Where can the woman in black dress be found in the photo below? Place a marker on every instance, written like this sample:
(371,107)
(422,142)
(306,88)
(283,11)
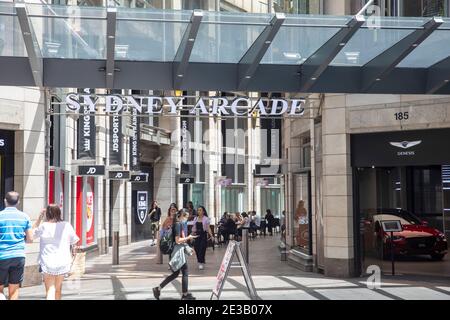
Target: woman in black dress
(202,230)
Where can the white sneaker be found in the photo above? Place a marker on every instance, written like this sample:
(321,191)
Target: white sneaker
(201,266)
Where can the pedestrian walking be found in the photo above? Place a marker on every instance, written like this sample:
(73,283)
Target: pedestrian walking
(270,221)
(56,249)
(178,262)
(203,231)
(155,217)
(15,230)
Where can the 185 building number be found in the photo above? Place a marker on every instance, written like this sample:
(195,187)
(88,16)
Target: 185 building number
(399,116)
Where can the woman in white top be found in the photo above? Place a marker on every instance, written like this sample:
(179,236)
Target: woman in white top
(55,255)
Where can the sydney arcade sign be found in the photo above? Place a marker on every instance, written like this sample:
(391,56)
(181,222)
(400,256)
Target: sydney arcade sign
(211,106)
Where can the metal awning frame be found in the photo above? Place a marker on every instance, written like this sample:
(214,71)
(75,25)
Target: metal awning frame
(379,76)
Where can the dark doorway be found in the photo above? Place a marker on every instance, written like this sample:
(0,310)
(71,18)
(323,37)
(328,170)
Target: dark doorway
(142,231)
(6,164)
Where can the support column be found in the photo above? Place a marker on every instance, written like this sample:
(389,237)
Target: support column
(337,190)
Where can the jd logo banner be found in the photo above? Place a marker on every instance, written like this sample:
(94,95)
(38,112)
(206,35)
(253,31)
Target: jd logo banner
(142,206)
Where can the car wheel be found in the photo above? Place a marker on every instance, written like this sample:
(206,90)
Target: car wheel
(437,256)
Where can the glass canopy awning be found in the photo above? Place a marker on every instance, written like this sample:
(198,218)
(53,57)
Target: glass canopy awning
(122,48)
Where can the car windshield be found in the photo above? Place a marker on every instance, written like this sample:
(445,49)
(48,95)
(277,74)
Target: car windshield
(405,217)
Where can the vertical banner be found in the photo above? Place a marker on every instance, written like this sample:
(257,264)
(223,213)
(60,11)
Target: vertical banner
(135,141)
(86,134)
(142,206)
(115,139)
(90,210)
(85,207)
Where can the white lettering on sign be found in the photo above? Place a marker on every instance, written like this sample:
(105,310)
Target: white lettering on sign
(86,130)
(115,135)
(184,144)
(215,106)
(92,170)
(2,142)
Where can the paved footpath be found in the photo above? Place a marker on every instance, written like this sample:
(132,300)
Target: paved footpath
(273,278)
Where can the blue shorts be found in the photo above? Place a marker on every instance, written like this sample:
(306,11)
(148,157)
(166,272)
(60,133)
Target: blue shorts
(11,271)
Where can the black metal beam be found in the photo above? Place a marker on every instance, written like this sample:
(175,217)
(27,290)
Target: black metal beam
(111,15)
(251,59)
(31,44)
(379,67)
(315,65)
(181,60)
(438,76)
(203,77)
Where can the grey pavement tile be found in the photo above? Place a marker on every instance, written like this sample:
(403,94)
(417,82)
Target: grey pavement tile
(265,282)
(321,282)
(233,295)
(352,294)
(417,293)
(285,295)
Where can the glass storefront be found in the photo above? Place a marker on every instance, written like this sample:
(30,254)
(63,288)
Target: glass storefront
(198,192)
(271,199)
(233,199)
(415,197)
(301,217)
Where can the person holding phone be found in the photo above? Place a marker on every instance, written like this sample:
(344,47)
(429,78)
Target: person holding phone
(55,254)
(181,239)
(202,230)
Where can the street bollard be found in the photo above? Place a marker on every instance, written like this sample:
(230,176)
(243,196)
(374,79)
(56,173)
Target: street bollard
(159,256)
(245,244)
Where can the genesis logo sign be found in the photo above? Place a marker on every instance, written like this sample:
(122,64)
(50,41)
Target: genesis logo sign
(406,145)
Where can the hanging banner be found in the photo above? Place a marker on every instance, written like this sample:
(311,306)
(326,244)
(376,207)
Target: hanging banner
(115,140)
(135,141)
(185,147)
(86,134)
(142,206)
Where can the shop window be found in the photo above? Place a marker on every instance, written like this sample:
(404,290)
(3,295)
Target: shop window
(271,199)
(232,199)
(198,192)
(301,215)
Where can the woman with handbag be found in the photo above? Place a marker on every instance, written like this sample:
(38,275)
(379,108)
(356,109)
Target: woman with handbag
(202,230)
(55,255)
(178,261)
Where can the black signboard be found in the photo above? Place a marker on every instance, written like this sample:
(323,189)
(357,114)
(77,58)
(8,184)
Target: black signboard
(135,141)
(186,180)
(93,170)
(86,134)
(143,177)
(115,140)
(6,142)
(142,206)
(119,175)
(401,148)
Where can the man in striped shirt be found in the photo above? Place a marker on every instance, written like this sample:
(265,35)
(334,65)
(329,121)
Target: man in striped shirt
(15,230)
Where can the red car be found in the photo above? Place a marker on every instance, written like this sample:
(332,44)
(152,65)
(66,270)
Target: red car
(417,238)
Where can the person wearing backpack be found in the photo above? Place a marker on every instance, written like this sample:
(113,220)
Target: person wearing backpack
(165,237)
(180,240)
